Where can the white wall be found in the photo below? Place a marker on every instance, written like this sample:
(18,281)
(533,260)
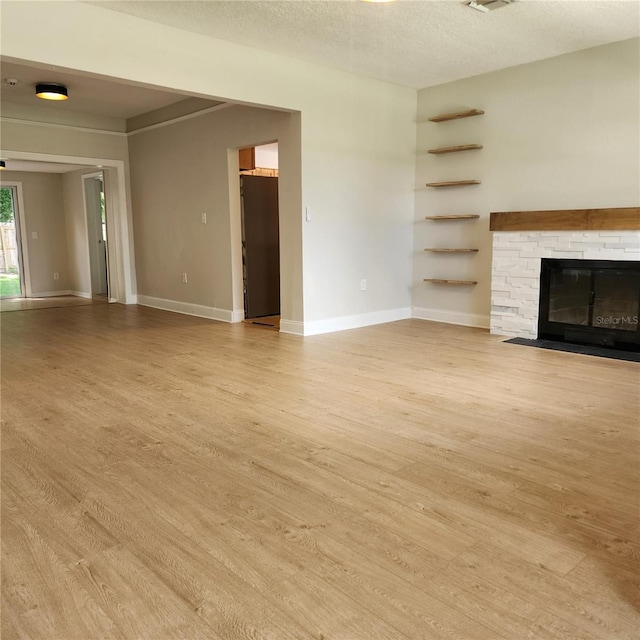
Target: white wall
(562,133)
(357,141)
(43,214)
(267,156)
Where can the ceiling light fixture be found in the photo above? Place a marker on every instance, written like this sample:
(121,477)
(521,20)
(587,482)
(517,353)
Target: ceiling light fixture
(50,91)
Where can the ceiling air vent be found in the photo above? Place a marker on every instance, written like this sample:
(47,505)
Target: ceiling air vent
(488,5)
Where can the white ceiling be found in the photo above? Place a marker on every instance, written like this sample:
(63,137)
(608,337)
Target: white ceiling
(87,94)
(416,43)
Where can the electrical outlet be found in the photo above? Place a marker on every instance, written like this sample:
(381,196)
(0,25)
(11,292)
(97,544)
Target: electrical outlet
(184,278)
(56,275)
(204,218)
(34,235)
(363,285)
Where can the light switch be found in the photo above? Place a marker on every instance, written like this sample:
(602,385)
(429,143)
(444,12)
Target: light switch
(34,235)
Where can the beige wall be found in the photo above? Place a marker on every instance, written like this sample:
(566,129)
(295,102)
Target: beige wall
(562,133)
(43,214)
(76,223)
(179,172)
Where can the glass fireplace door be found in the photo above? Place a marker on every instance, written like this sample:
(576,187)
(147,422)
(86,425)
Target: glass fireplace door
(613,306)
(590,302)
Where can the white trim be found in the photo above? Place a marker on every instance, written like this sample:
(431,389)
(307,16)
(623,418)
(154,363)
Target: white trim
(451,317)
(356,321)
(235,228)
(81,294)
(237,315)
(188,116)
(50,294)
(186,308)
(54,125)
(294,327)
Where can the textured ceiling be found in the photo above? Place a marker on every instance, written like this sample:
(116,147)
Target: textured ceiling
(415,43)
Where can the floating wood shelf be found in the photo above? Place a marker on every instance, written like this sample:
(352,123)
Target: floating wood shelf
(463,147)
(453,183)
(455,116)
(452,250)
(441,281)
(463,216)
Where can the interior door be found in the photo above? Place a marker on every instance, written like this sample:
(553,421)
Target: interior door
(261,247)
(96,231)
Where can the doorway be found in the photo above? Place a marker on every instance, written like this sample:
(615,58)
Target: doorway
(260,229)
(11,270)
(95,208)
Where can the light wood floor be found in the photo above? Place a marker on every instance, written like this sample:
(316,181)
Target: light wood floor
(25,304)
(171,477)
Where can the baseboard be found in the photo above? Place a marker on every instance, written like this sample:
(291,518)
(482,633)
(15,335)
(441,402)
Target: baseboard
(342,323)
(50,294)
(187,308)
(451,317)
(80,294)
(294,327)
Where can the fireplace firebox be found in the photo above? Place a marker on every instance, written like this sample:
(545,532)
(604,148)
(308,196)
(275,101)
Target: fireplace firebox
(590,302)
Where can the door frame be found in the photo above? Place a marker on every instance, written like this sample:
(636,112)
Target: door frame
(21,237)
(118,211)
(90,241)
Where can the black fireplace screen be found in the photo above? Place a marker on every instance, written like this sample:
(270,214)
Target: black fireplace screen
(590,302)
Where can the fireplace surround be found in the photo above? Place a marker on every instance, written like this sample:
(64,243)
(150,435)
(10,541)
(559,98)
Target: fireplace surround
(522,239)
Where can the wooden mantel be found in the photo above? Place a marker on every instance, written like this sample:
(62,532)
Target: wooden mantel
(620,219)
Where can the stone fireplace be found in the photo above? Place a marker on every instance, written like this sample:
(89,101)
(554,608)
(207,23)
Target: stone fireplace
(522,239)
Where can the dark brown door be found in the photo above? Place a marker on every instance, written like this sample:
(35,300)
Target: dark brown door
(260,244)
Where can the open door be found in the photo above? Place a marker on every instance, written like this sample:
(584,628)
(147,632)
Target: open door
(260,246)
(97,233)
(11,271)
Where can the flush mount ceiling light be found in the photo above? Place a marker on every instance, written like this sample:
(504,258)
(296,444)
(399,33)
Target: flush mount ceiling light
(50,91)
(488,5)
